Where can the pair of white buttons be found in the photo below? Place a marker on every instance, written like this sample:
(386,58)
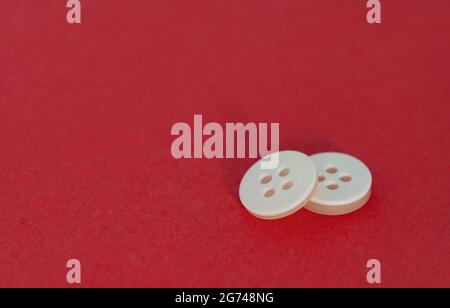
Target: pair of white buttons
(325,183)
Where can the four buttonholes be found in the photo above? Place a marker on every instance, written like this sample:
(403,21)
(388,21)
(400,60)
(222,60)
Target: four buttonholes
(331,185)
(286,185)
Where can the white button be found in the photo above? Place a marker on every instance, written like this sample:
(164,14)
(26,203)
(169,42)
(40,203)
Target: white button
(276,193)
(344,184)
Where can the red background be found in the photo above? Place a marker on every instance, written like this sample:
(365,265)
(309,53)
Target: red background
(85,165)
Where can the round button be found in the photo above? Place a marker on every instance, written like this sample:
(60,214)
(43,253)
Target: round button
(279,192)
(344,184)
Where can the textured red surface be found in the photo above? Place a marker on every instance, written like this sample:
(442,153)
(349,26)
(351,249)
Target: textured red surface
(85,117)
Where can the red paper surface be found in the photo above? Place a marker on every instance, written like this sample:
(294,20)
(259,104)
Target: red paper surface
(86,170)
